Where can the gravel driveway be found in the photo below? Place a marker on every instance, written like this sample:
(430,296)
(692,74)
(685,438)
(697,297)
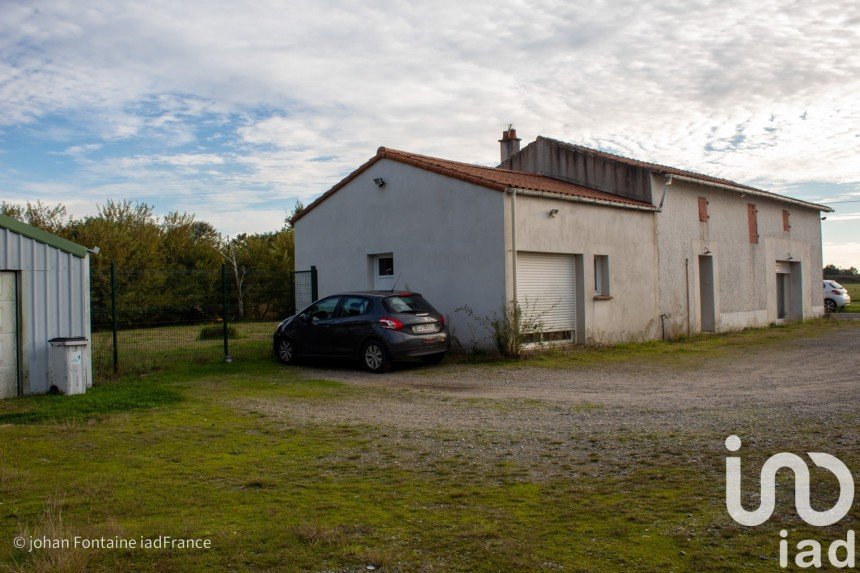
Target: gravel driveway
(802,391)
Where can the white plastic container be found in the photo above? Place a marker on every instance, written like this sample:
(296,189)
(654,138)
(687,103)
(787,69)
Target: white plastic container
(66,365)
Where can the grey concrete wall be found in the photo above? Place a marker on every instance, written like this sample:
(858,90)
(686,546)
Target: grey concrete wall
(447,237)
(745,273)
(626,236)
(54,301)
(565,162)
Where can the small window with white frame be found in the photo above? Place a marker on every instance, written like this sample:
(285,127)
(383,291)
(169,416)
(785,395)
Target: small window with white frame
(601,275)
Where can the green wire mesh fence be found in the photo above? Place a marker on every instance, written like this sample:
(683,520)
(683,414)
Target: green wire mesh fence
(148,319)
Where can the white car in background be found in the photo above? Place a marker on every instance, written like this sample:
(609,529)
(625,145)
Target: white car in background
(835,296)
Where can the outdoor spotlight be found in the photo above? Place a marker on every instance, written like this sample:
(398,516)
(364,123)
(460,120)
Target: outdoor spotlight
(790,258)
(553,212)
(380,182)
(707,251)
(95,250)
(824,218)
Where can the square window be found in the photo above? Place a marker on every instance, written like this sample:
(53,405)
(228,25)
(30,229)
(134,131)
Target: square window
(386,266)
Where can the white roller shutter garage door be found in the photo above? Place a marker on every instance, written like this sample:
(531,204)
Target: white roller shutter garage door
(546,288)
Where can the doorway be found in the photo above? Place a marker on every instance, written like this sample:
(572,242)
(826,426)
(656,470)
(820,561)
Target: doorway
(789,290)
(706,293)
(783,295)
(8,334)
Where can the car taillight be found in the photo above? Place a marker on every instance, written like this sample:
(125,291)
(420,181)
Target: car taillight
(835,292)
(441,321)
(390,323)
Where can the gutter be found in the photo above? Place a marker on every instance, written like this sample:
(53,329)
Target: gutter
(756,192)
(576,199)
(665,192)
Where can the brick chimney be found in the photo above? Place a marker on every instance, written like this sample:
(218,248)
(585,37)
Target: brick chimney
(510,143)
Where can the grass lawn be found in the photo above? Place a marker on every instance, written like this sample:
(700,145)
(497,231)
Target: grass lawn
(146,349)
(854,293)
(172,453)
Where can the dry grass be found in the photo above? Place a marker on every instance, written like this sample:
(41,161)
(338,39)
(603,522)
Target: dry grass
(52,527)
(314,533)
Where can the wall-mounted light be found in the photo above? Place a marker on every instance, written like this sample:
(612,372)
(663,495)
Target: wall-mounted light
(553,212)
(824,218)
(95,250)
(789,258)
(707,251)
(380,182)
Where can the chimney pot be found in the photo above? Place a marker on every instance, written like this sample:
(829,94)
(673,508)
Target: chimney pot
(510,143)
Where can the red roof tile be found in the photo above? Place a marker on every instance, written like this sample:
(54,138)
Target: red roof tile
(490,177)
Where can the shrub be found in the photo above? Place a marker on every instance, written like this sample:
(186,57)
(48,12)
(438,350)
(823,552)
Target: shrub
(216,331)
(510,327)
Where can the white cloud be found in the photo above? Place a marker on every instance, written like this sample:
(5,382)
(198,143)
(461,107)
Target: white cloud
(81,149)
(843,255)
(305,92)
(845,217)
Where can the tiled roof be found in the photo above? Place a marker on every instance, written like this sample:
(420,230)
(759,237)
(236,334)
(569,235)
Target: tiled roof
(490,177)
(665,169)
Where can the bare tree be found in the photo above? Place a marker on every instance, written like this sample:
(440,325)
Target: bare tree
(232,250)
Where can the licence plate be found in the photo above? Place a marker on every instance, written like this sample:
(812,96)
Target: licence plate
(424,328)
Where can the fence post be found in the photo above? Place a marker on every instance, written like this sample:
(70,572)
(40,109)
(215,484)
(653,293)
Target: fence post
(113,316)
(314,284)
(227,357)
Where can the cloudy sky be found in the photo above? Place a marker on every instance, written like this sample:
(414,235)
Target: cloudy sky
(234,111)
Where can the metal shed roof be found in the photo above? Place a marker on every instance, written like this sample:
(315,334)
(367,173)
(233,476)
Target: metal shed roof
(41,236)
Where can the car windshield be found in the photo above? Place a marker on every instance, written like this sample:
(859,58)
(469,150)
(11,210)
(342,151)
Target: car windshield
(412,303)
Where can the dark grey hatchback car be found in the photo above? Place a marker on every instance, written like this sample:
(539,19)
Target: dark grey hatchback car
(375,327)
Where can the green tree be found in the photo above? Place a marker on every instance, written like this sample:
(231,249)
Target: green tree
(261,268)
(128,234)
(54,219)
(834,271)
(297,208)
(169,266)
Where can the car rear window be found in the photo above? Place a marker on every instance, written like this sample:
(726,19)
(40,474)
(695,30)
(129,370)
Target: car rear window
(413,303)
(835,284)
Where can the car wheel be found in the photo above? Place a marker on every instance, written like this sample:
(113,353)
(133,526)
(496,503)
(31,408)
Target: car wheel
(285,350)
(829,305)
(375,358)
(433,358)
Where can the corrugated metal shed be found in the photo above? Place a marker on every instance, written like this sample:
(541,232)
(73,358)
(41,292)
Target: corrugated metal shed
(52,299)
